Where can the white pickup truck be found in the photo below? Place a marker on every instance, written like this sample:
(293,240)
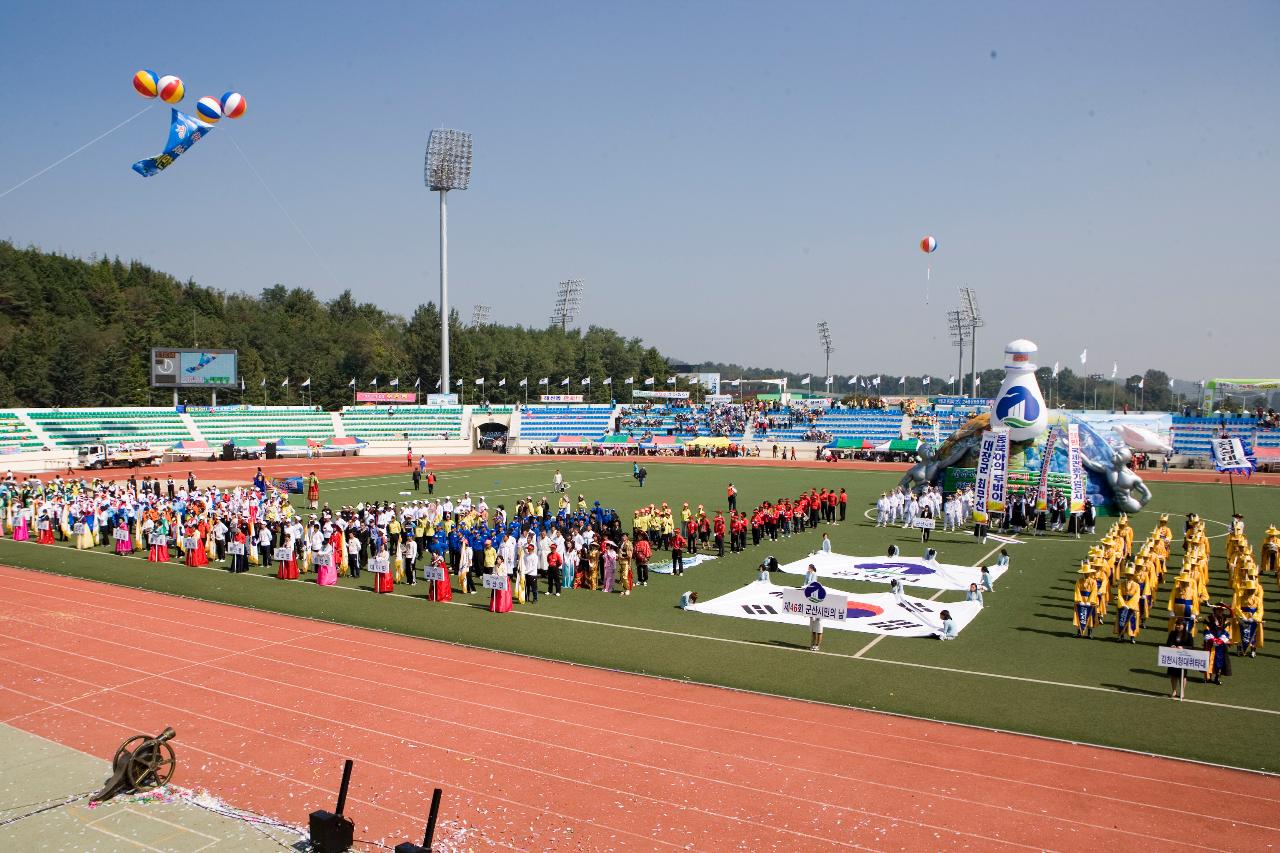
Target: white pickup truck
(119,455)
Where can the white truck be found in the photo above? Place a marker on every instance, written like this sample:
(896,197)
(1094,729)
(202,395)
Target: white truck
(96,456)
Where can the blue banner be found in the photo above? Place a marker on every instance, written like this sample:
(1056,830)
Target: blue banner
(185,132)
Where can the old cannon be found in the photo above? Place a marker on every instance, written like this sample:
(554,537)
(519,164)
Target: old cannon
(141,763)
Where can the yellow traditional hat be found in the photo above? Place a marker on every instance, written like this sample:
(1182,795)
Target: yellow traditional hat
(1271,531)
(1084,569)
(1164,516)
(1250,584)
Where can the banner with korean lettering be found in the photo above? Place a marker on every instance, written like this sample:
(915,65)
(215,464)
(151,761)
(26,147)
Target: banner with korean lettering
(1229,455)
(385,396)
(1046,460)
(982,476)
(998,487)
(1075,467)
(870,613)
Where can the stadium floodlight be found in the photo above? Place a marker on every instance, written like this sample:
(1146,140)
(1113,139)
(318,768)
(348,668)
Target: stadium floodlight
(824,338)
(568,302)
(480,315)
(972,319)
(960,335)
(448,167)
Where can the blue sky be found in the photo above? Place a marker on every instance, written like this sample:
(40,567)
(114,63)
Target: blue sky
(722,175)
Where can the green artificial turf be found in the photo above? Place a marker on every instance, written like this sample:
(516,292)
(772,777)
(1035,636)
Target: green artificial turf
(1096,691)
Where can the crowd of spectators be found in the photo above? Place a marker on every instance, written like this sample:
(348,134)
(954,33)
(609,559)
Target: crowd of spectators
(714,419)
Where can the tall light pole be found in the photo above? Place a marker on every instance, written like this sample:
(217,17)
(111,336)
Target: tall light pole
(448,167)
(972,319)
(960,334)
(824,338)
(568,301)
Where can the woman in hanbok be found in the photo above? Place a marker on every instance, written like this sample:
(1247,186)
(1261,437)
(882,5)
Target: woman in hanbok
(500,600)
(124,542)
(610,565)
(570,568)
(326,571)
(84,530)
(442,590)
(466,562)
(240,561)
(384,581)
(44,526)
(159,552)
(191,541)
(22,523)
(288,567)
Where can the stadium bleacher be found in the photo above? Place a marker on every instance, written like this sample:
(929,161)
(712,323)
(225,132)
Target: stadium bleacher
(546,423)
(878,425)
(392,423)
(685,421)
(1191,436)
(15,436)
(70,428)
(261,422)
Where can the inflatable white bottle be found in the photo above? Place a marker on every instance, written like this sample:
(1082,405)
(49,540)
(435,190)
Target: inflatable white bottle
(1020,405)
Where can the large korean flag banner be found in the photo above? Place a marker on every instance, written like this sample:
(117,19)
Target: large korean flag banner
(1075,466)
(876,613)
(908,571)
(1046,459)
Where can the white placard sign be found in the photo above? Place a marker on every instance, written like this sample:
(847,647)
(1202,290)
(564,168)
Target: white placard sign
(1183,658)
(79,528)
(432,573)
(380,565)
(923,523)
(157,539)
(120,535)
(815,601)
(189,543)
(284,555)
(236,549)
(495,581)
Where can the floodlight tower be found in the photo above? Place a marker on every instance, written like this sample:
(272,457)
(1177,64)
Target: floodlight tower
(480,315)
(824,338)
(568,302)
(972,319)
(960,335)
(448,167)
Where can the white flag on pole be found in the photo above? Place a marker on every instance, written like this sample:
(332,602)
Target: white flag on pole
(394,383)
(830,379)
(649,381)
(524,383)
(1055,370)
(1115,368)
(565,383)
(264,382)
(586,380)
(1084,355)
(671,380)
(437,384)
(608,380)
(546,380)
(352,383)
(285,382)
(631,380)
(306,384)
(502,383)
(807,380)
(374,383)
(417,383)
(925,381)
(736,382)
(480,381)
(1142,382)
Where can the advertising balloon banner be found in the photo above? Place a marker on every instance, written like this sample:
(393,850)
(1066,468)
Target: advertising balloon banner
(982,478)
(997,473)
(184,133)
(1075,467)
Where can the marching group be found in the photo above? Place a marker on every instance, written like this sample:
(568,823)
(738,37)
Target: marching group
(906,507)
(1115,571)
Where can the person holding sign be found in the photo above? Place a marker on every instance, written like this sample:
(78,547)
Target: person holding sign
(500,586)
(326,568)
(237,548)
(441,588)
(1086,601)
(286,560)
(158,541)
(383,581)
(124,542)
(1179,638)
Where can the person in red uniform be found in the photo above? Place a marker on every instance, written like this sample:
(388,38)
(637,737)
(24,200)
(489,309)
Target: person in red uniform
(717,528)
(844,503)
(442,590)
(677,553)
(385,581)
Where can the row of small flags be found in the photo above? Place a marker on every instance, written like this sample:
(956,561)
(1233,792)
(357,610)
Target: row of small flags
(854,381)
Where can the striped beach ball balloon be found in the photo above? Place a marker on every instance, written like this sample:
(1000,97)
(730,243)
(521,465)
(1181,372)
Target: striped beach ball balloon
(208,110)
(147,83)
(928,244)
(171,89)
(233,105)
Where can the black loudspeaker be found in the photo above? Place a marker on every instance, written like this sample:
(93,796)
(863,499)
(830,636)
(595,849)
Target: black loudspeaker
(330,831)
(270,449)
(228,452)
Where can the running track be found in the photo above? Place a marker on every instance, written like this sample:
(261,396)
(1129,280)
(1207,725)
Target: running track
(536,755)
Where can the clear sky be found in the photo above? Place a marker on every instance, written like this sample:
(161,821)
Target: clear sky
(723,175)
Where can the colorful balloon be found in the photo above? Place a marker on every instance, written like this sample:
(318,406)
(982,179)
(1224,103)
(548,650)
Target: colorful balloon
(208,110)
(170,89)
(928,244)
(146,82)
(233,105)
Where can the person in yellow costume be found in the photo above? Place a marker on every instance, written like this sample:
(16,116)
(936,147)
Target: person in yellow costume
(1184,604)
(1270,552)
(1247,619)
(1102,583)
(1128,607)
(1144,575)
(1125,533)
(1085,614)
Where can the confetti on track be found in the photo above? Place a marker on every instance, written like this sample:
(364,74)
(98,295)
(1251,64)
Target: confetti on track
(539,755)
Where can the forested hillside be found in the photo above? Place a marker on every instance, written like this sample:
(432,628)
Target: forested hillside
(76,332)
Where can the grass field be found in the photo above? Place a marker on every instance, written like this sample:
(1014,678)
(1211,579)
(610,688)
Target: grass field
(1017,667)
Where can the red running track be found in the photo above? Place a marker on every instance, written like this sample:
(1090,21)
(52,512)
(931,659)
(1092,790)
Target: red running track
(537,755)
